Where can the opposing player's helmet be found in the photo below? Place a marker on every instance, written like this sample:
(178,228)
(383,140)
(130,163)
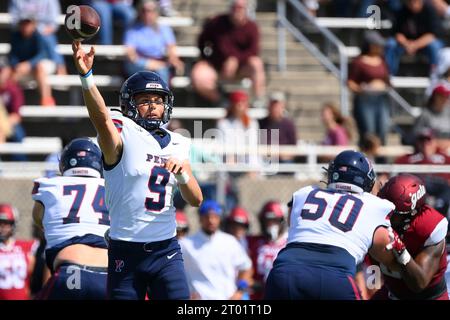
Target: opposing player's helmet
(351,171)
(272,210)
(81,157)
(406,191)
(150,82)
(239,215)
(272,219)
(8,214)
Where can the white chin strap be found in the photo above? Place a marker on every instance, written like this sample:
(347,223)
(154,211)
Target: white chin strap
(341,186)
(82,171)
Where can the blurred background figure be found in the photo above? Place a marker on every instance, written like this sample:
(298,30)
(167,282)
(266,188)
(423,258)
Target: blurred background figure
(29,57)
(237,224)
(436,116)
(111,11)
(16,257)
(369,81)
(238,129)
(280,130)
(167,9)
(5,125)
(416,29)
(264,248)
(229,47)
(427,152)
(182,224)
(46,13)
(215,262)
(157,55)
(339,129)
(12,98)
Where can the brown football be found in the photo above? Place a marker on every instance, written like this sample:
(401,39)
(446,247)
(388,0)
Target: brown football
(82,22)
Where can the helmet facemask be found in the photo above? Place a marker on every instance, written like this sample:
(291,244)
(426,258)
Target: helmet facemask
(129,107)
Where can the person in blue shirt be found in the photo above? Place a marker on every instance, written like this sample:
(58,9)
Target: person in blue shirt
(151,46)
(28,55)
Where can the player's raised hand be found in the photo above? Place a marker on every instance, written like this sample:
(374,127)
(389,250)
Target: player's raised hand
(173,165)
(83,61)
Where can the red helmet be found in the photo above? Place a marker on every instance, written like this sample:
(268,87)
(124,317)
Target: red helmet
(406,191)
(272,210)
(181,219)
(239,215)
(8,213)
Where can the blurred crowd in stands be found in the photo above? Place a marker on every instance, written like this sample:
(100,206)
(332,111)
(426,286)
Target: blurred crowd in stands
(229,45)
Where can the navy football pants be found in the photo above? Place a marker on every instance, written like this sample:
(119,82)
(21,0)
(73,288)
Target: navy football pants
(156,268)
(303,282)
(307,271)
(75,282)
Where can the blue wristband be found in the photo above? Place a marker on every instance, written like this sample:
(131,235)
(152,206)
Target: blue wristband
(87,74)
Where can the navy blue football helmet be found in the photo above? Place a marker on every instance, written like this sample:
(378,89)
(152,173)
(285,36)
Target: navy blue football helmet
(81,157)
(150,82)
(351,169)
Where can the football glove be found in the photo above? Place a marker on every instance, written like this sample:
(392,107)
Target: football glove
(398,247)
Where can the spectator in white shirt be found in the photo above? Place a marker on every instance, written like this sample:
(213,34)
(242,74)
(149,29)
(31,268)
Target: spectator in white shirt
(215,262)
(238,130)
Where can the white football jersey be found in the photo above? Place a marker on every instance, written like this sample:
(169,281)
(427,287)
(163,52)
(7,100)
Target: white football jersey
(345,220)
(139,192)
(74,206)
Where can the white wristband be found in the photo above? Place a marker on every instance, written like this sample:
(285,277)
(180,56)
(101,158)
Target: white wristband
(182,178)
(404,258)
(87,80)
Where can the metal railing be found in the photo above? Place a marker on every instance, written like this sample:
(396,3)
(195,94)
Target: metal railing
(284,23)
(340,71)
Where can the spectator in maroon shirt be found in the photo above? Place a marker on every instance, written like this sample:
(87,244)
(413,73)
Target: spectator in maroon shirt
(427,152)
(11,95)
(229,46)
(276,120)
(369,81)
(339,128)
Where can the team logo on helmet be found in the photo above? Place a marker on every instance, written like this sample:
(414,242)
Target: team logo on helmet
(153,85)
(416,196)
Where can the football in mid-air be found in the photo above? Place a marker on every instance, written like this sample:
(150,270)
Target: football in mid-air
(82,22)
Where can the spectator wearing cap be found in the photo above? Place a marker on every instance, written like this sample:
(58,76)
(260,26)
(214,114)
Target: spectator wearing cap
(369,81)
(182,224)
(276,128)
(436,116)
(427,152)
(237,224)
(28,56)
(416,29)
(237,129)
(229,47)
(215,262)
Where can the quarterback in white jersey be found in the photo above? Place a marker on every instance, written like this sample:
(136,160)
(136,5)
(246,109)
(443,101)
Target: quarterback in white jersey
(330,232)
(139,189)
(143,163)
(71,210)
